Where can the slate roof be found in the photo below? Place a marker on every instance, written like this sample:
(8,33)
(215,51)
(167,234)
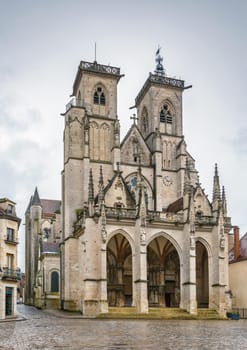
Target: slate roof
(50,206)
(36,199)
(243,250)
(50,247)
(175,206)
(4,215)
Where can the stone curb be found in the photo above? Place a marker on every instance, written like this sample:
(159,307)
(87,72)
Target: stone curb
(61,314)
(14,319)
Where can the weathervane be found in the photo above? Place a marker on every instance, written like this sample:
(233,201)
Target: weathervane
(159,70)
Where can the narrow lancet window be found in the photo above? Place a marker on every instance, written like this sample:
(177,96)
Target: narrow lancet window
(99,96)
(165,114)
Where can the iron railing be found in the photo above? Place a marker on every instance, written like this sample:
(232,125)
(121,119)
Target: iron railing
(13,274)
(167,81)
(10,239)
(74,102)
(242,312)
(95,67)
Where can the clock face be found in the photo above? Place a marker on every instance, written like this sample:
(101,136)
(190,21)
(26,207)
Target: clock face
(167,180)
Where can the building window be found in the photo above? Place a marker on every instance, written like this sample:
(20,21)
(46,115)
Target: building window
(10,234)
(10,209)
(9,261)
(54,281)
(46,233)
(165,114)
(99,96)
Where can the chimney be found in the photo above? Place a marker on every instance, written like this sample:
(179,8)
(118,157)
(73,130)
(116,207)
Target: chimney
(236,243)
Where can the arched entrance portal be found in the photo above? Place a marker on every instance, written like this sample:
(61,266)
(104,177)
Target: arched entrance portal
(119,271)
(163,273)
(202,285)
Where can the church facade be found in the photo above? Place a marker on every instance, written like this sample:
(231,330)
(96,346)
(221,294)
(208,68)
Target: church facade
(137,227)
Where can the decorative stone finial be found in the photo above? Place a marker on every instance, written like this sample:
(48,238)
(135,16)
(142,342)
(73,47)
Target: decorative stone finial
(224,203)
(90,186)
(101,186)
(216,185)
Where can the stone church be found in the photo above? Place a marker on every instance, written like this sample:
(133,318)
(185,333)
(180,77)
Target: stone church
(136,228)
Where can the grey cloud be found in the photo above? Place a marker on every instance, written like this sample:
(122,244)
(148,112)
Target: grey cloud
(13,117)
(22,166)
(239,143)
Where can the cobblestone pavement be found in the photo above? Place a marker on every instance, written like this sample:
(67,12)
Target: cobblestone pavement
(44,330)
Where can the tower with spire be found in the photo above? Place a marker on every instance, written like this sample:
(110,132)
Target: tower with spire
(42,236)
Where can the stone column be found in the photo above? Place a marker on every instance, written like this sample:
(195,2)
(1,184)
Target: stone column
(103,308)
(141,272)
(218,297)
(161,288)
(188,276)
(120,301)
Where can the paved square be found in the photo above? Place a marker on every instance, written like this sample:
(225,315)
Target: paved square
(44,330)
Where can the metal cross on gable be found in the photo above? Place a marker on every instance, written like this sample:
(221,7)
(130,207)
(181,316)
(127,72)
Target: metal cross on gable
(134,118)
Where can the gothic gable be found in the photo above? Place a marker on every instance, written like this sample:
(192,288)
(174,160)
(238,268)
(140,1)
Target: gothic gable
(201,202)
(134,146)
(117,193)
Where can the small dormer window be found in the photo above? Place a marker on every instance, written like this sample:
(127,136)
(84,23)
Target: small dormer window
(10,209)
(165,114)
(99,96)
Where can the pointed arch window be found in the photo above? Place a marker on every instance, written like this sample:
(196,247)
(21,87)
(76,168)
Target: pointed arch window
(166,114)
(54,281)
(99,96)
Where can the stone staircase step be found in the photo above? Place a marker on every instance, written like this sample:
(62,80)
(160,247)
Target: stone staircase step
(159,313)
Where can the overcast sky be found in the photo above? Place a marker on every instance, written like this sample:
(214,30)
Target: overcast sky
(42,43)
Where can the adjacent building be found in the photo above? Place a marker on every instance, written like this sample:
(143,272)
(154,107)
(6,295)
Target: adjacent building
(9,272)
(238,271)
(43,233)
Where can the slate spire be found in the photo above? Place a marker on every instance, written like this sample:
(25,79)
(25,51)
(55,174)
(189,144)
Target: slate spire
(36,199)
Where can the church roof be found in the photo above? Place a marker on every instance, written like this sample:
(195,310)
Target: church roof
(50,206)
(175,206)
(50,247)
